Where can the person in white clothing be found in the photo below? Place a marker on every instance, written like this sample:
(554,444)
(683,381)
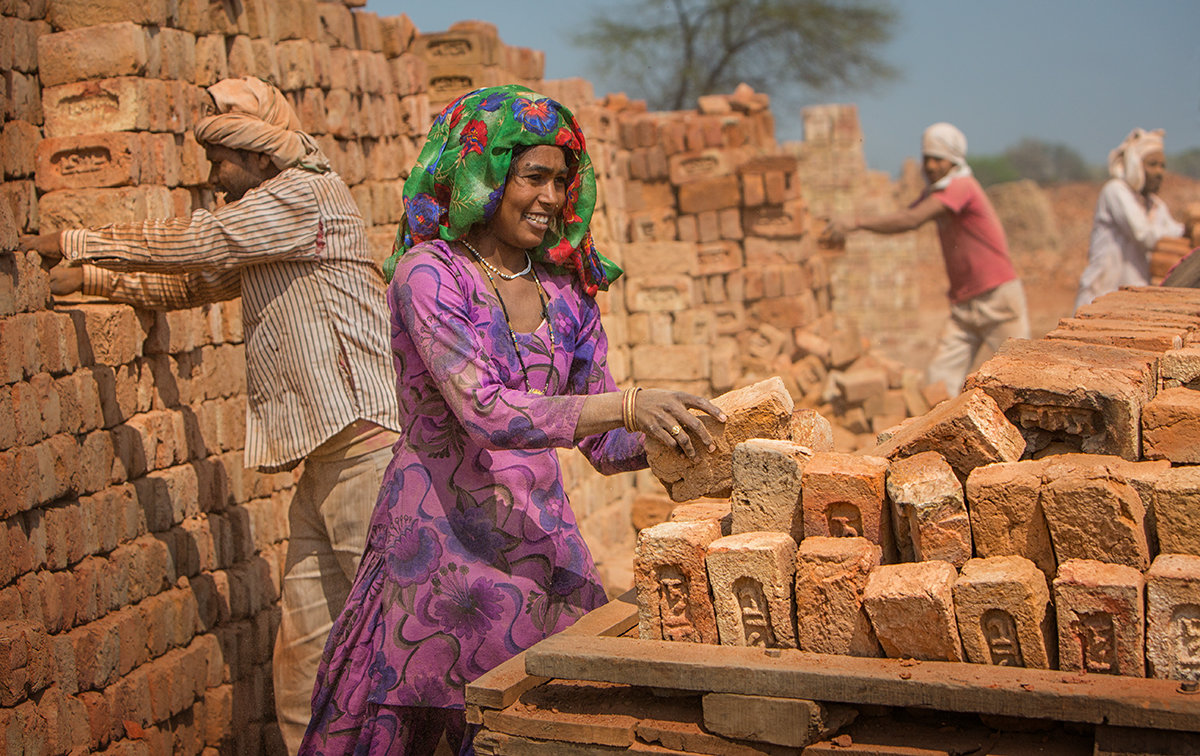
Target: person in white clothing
(1130,218)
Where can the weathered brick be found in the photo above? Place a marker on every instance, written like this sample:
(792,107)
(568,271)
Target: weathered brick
(845,496)
(1004,501)
(927,499)
(101,51)
(678,362)
(766,487)
(1093,510)
(19,353)
(78,208)
(18,40)
(24,285)
(788,722)
(751,576)
(1171,426)
(762,410)
(1176,508)
(912,610)
(79,398)
(672,584)
(19,141)
(1003,610)
(64,14)
(713,510)
(1173,617)
(969,431)
(831,574)
(1086,395)
(109,334)
(1101,618)
(24,96)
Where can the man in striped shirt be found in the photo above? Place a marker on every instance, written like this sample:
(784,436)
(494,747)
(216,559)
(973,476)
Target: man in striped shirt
(320,383)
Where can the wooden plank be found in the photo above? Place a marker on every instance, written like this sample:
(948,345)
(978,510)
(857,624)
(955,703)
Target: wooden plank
(1123,741)
(943,686)
(504,683)
(794,722)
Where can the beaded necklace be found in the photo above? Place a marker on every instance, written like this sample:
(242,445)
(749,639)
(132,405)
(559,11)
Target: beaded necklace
(542,296)
(493,269)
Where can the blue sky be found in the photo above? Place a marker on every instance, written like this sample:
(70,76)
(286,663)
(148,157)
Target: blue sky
(1076,72)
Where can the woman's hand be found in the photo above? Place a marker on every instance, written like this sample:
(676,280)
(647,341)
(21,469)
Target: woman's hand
(665,416)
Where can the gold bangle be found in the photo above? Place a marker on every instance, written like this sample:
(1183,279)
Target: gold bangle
(629,408)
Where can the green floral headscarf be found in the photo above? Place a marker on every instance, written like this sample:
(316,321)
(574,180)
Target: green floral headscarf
(460,175)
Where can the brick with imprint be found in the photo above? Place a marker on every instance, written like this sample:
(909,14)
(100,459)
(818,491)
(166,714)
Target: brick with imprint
(1004,613)
(1173,617)
(1088,396)
(672,582)
(750,576)
(844,495)
(1101,618)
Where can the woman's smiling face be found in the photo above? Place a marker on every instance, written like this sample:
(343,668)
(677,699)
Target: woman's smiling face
(533,197)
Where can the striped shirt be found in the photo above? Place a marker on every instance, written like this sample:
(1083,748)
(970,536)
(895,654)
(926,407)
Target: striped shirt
(314,317)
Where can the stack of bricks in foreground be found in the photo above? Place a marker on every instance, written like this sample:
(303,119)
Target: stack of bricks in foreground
(1045,518)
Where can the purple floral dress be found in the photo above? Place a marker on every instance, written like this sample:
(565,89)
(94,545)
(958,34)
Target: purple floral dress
(473,554)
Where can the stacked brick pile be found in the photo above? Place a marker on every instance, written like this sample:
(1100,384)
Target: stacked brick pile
(881,282)
(1044,518)
(470,55)
(141,562)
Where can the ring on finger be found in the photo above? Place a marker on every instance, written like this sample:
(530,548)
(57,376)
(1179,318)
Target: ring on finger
(675,430)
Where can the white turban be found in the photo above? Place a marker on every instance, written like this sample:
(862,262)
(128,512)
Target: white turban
(943,140)
(253,115)
(1125,162)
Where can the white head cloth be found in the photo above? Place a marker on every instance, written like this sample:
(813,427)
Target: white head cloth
(1125,162)
(945,141)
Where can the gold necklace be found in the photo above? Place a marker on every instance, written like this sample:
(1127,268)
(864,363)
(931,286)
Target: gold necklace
(543,297)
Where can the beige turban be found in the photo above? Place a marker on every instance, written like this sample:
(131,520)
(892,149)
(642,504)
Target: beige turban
(253,115)
(942,140)
(1125,162)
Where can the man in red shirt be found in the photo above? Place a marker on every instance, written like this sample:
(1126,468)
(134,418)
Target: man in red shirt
(987,301)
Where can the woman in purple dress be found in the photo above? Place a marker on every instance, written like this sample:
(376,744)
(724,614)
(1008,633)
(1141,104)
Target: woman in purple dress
(474,554)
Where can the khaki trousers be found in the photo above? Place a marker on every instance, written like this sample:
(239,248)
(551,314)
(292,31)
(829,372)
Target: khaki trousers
(989,318)
(328,517)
